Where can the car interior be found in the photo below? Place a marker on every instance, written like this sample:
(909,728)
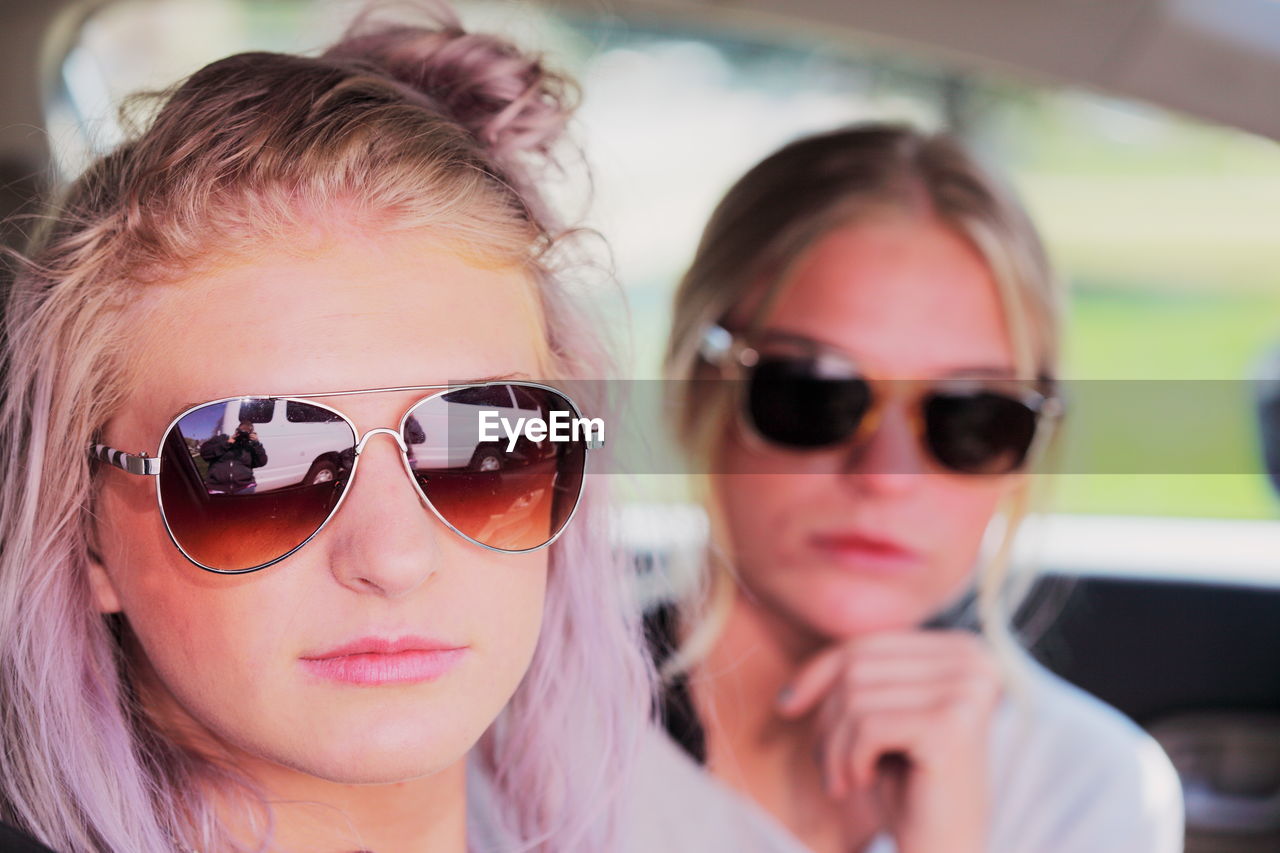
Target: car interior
(1144,134)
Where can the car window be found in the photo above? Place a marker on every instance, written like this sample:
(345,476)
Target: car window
(257,411)
(298,413)
(1163,225)
(525,398)
(493,396)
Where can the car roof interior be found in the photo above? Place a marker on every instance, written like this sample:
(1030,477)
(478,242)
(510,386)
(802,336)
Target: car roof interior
(1180,54)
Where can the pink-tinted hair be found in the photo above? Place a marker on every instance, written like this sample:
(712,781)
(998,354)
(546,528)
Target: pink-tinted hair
(396,127)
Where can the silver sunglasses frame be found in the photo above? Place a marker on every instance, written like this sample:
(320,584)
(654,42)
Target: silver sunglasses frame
(734,356)
(144,465)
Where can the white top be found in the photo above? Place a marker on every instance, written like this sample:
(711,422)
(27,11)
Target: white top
(1069,774)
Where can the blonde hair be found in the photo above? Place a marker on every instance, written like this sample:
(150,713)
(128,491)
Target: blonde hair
(757,234)
(396,127)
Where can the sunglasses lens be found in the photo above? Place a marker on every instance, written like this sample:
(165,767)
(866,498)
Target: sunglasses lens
(979,433)
(244,483)
(791,404)
(508,493)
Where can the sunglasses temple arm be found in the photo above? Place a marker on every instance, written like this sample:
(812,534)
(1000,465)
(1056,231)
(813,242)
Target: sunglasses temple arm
(145,465)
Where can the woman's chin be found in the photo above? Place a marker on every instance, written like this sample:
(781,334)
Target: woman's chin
(872,609)
(851,627)
(380,767)
(364,749)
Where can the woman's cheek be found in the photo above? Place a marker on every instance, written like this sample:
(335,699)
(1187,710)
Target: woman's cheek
(218,642)
(962,513)
(207,651)
(509,604)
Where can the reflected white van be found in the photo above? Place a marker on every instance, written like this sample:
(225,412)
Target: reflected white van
(306,456)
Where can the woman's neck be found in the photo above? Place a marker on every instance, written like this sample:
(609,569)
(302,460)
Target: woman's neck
(736,685)
(312,814)
(751,747)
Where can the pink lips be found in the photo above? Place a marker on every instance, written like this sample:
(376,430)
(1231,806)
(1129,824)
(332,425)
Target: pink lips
(860,552)
(373,661)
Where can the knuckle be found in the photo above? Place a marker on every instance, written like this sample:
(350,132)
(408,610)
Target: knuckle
(856,671)
(870,728)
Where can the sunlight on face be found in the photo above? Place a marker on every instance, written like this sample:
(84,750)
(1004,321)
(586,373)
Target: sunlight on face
(229,653)
(872,538)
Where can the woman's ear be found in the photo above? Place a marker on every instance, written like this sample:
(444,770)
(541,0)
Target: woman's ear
(104,591)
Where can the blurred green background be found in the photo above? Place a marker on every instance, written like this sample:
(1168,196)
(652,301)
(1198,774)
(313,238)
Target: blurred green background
(1169,233)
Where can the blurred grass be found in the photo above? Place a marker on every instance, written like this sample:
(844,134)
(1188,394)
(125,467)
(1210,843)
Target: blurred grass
(1168,231)
(1173,278)
(1182,495)
(1135,334)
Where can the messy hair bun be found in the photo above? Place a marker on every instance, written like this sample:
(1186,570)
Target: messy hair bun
(508,100)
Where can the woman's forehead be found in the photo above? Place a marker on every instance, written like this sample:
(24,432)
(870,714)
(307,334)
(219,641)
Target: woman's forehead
(342,318)
(909,296)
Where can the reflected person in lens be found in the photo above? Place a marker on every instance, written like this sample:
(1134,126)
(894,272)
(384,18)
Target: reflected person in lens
(867,347)
(231,460)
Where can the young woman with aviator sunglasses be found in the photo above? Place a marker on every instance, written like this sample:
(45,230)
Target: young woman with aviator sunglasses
(866,344)
(363,637)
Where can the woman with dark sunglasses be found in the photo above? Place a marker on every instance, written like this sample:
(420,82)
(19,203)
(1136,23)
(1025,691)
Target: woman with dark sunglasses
(377,646)
(866,347)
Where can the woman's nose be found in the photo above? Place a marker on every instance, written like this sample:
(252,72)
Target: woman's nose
(384,539)
(889,459)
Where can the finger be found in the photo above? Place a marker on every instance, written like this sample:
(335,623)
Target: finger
(927,722)
(836,750)
(889,790)
(868,670)
(958,655)
(957,708)
(887,659)
(887,698)
(975,696)
(812,682)
(884,734)
(843,704)
(831,714)
(826,731)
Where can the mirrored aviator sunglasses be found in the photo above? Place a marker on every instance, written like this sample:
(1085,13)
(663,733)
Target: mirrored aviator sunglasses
(244,482)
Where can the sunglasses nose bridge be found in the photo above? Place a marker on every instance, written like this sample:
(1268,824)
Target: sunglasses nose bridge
(399,439)
(888,444)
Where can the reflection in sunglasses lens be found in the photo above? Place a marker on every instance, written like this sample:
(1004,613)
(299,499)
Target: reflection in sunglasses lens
(512,494)
(246,482)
